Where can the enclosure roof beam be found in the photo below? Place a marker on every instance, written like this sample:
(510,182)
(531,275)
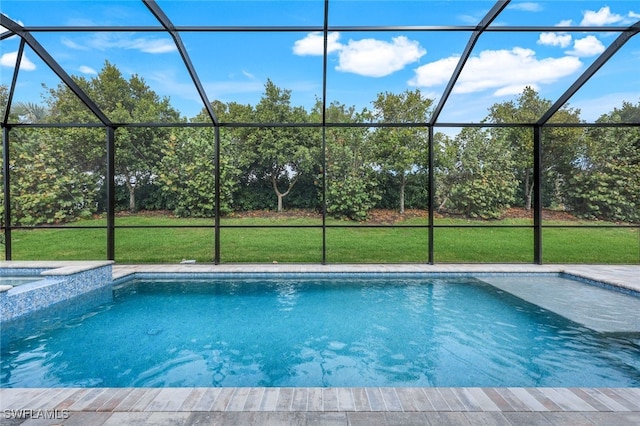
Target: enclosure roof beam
(168,25)
(315,28)
(14,79)
(55,67)
(480,28)
(589,72)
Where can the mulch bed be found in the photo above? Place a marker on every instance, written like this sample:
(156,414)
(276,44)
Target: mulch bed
(376,216)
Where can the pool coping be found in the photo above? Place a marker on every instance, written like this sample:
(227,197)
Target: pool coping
(623,276)
(343,405)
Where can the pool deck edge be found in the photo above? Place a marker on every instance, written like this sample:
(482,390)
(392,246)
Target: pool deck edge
(625,276)
(377,406)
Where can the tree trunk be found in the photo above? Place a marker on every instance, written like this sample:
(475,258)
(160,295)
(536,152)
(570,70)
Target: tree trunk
(403,184)
(527,191)
(281,195)
(132,196)
(441,206)
(279,201)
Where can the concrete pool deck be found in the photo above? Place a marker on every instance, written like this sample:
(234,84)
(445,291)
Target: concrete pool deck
(335,406)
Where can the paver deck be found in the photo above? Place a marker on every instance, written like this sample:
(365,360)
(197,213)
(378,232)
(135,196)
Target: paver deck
(339,406)
(334,406)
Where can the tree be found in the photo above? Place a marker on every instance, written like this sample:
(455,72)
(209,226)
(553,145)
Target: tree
(479,179)
(187,177)
(280,155)
(186,172)
(559,144)
(47,186)
(29,112)
(123,101)
(401,151)
(4,99)
(351,189)
(606,180)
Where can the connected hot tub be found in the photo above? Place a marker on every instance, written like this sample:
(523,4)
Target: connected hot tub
(28,287)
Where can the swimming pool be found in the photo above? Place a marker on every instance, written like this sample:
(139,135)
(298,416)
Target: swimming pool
(399,330)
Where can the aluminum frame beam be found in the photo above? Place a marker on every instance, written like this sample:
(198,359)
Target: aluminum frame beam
(171,29)
(315,28)
(480,28)
(589,72)
(54,66)
(6,187)
(14,80)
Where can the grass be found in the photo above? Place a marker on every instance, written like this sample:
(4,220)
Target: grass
(344,244)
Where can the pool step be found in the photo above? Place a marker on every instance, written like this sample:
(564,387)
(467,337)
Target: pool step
(597,308)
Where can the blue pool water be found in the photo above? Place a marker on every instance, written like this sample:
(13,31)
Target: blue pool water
(317,332)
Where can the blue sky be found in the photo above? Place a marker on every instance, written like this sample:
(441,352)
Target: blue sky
(235,66)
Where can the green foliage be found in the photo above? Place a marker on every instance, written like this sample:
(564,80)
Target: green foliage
(401,150)
(416,191)
(47,186)
(351,190)
(606,182)
(595,173)
(186,174)
(352,186)
(477,177)
(280,154)
(560,145)
(122,101)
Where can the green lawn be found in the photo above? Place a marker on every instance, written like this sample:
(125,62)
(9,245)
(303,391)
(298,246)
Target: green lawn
(344,244)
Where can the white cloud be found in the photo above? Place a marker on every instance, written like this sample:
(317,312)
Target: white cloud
(527,6)
(368,57)
(435,73)
(565,23)
(248,75)
(515,89)
(505,71)
(633,15)
(377,58)
(555,39)
(587,46)
(72,44)
(87,70)
(470,19)
(149,46)
(313,44)
(599,18)
(104,41)
(9,60)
